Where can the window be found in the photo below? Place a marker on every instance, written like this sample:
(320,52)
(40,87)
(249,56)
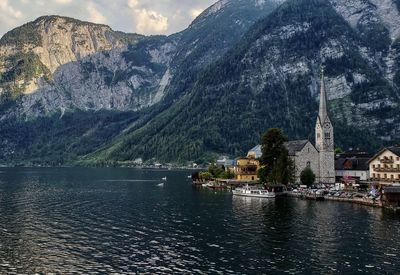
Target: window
(385,176)
(391,157)
(373,165)
(308,164)
(379,166)
(327,135)
(373,175)
(392,177)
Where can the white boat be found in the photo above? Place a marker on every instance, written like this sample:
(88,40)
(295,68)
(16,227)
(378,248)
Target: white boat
(160,184)
(164,178)
(248,191)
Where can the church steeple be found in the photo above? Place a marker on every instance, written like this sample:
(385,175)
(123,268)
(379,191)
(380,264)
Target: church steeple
(324,141)
(323,112)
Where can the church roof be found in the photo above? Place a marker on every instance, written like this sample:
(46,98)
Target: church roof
(257,150)
(295,146)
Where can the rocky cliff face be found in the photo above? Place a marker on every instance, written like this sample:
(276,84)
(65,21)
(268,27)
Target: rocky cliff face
(60,63)
(271,78)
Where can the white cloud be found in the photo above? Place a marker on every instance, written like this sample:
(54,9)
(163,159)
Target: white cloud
(133,3)
(95,15)
(7,10)
(62,2)
(9,16)
(150,22)
(195,12)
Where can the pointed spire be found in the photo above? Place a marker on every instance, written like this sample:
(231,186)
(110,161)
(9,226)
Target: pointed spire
(323,113)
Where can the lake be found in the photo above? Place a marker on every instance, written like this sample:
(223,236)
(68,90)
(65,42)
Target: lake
(115,220)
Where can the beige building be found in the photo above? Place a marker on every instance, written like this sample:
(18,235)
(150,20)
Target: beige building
(384,167)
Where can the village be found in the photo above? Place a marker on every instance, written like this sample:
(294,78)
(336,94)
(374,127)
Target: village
(311,171)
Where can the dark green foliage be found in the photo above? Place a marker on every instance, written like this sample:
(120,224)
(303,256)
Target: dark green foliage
(22,66)
(196,127)
(59,140)
(277,166)
(27,34)
(307,177)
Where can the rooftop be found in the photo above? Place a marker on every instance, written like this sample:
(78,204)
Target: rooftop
(294,146)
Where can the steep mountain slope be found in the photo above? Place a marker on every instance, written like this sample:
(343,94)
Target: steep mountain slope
(63,80)
(58,63)
(271,80)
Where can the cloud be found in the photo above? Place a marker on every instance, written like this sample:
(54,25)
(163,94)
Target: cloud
(195,12)
(62,2)
(95,15)
(143,16)
(133,3)
(150,22)
(9,16)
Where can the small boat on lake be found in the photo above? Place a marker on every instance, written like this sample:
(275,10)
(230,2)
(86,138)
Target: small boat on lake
(249,191)
(160,184)
(164,178)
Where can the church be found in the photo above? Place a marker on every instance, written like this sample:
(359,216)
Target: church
(321,157)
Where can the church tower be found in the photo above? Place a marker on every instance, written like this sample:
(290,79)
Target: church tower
(324,142)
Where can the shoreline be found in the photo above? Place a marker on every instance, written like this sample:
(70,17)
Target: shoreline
(359,201)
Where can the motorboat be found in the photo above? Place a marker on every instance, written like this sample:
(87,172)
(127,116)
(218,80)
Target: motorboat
(249,191)
(164,178)
(160,184)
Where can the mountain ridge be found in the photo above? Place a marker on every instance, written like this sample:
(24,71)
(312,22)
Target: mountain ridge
(216,86)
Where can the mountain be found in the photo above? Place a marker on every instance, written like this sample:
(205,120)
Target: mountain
(270,79)
(68,87)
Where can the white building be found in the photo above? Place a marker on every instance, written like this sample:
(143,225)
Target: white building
(384,167)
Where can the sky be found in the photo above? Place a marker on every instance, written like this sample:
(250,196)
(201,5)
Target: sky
(140,16)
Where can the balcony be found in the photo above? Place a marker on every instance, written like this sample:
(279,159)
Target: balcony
(387,169)
(386,160)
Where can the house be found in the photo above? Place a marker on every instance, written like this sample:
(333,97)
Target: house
(246,169)
(255,152)
(304,154)
(225,162)
(384,167)
(352,167)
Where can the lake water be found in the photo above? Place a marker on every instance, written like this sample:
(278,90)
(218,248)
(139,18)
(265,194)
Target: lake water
(102,221)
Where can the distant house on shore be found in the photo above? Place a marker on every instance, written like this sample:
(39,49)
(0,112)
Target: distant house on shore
(246,169)
(384,167)
(352,166)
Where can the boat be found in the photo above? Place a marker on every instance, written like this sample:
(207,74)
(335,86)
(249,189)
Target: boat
(248,191)
(164,178)
(209,184)
(160,184)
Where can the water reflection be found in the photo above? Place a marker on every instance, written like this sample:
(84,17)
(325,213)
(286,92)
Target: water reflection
(118,220)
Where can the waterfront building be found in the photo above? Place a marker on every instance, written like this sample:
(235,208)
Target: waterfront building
(321,157)
(225,162)
(324,140)
(303,154)
(255,152)
(352,166)
(246,169)
(385,166)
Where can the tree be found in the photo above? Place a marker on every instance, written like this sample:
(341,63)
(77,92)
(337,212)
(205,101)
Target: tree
(338,150)
(277,166)
(307,177)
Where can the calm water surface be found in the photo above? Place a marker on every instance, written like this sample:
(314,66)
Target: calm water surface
(102,221)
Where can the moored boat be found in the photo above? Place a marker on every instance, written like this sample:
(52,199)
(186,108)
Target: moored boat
(248,191)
